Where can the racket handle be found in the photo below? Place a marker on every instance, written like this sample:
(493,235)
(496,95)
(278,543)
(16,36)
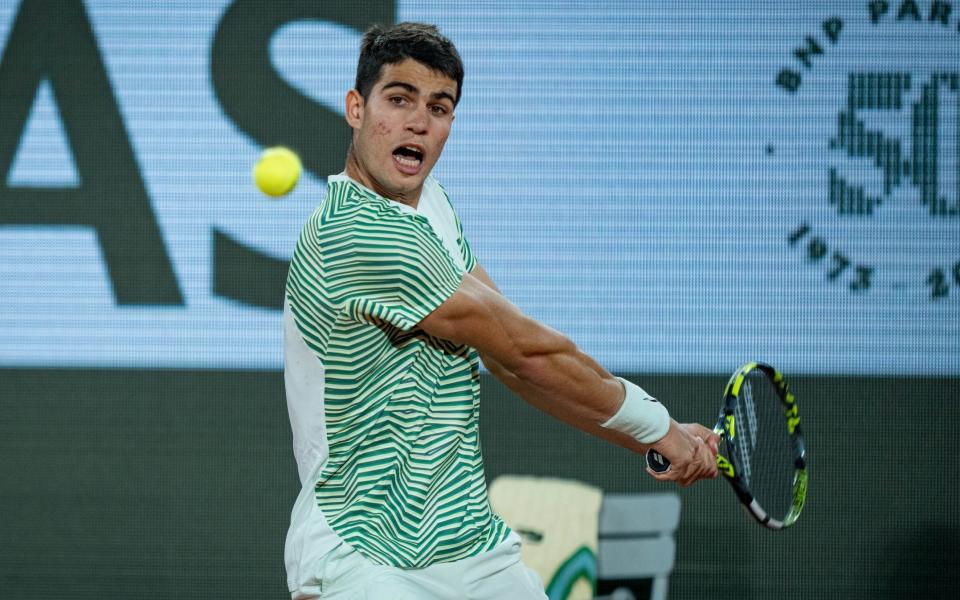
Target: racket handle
(657,462)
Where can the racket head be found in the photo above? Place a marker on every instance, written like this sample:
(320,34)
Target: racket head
(762,453)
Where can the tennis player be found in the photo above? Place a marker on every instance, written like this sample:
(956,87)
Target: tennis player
(386,317)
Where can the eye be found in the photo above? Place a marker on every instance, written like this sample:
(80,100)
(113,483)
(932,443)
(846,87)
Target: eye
(397,100)
(438,109)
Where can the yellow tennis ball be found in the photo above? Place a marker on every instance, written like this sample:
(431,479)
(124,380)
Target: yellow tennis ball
(277,171)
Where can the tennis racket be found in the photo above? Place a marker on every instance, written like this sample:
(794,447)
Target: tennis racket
(762,452)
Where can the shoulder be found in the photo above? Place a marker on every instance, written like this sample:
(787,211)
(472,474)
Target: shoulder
(354,224)
(349,210)
(434,189)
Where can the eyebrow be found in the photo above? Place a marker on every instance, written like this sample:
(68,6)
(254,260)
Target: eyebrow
(413,90)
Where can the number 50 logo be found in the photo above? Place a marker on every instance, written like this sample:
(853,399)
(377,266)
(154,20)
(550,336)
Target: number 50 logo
(929,161)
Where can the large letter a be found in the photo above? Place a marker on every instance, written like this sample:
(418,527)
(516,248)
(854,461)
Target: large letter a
(53,40)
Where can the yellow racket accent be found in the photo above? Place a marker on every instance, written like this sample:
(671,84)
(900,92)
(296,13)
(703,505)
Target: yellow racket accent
(799,497)
(731,427)
(724,466)
(738,379)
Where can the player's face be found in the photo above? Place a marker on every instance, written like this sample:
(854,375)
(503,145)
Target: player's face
(399,131)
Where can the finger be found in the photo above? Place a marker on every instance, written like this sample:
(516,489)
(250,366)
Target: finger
(689,480)
(706,461)
(694,477)
(693,468)
(709,437)
(714,439)
(710,461)
(713,442)
(710,446)
(692,471)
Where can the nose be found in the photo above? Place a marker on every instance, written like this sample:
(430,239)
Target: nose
(418,121)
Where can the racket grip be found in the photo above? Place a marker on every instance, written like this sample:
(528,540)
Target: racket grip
(657,462)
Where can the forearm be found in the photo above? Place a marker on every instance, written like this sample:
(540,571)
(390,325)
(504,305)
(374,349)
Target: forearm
(557,378)
(578,387)
(552,375)
(562,381)
(568,407)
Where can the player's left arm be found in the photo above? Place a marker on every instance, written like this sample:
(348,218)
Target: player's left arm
(530,393)
(536,397)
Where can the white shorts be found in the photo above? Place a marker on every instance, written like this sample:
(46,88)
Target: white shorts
(344,574)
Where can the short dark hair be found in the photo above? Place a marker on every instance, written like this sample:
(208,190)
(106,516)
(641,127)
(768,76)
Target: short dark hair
(396,43)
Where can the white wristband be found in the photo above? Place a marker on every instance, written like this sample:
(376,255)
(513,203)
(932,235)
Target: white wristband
(641,416)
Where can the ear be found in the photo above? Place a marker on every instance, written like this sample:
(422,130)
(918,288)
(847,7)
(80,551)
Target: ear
(354,109)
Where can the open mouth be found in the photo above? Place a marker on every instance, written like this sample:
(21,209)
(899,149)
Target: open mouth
(408,159)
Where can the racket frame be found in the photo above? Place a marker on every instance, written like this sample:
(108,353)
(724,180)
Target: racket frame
(728,461)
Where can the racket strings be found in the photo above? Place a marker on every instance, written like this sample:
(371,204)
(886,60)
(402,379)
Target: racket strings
(764,446)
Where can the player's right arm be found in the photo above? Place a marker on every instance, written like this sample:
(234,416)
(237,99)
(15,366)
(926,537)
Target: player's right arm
(547,370)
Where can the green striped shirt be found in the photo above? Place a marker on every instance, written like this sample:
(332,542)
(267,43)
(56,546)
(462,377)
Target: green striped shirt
(403,482)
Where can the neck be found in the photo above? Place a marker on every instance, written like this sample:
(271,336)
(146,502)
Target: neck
(355,171)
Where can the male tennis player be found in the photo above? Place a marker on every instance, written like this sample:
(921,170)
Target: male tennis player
(387,312)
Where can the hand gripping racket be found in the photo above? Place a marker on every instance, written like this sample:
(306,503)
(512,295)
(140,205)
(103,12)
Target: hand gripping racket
(762,452)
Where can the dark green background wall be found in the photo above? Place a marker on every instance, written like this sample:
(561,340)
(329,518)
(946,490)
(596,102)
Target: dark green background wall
(175,484)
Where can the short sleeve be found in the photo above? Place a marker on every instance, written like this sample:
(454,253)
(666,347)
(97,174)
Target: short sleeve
(396,271)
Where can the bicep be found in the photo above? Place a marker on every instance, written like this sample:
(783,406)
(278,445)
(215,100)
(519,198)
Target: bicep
(480,273)
(478,316)
(493,366)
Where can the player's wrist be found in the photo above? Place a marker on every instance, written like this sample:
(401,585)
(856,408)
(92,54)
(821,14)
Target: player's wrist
(640,416)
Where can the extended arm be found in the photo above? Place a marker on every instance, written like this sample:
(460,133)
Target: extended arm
(547,370)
